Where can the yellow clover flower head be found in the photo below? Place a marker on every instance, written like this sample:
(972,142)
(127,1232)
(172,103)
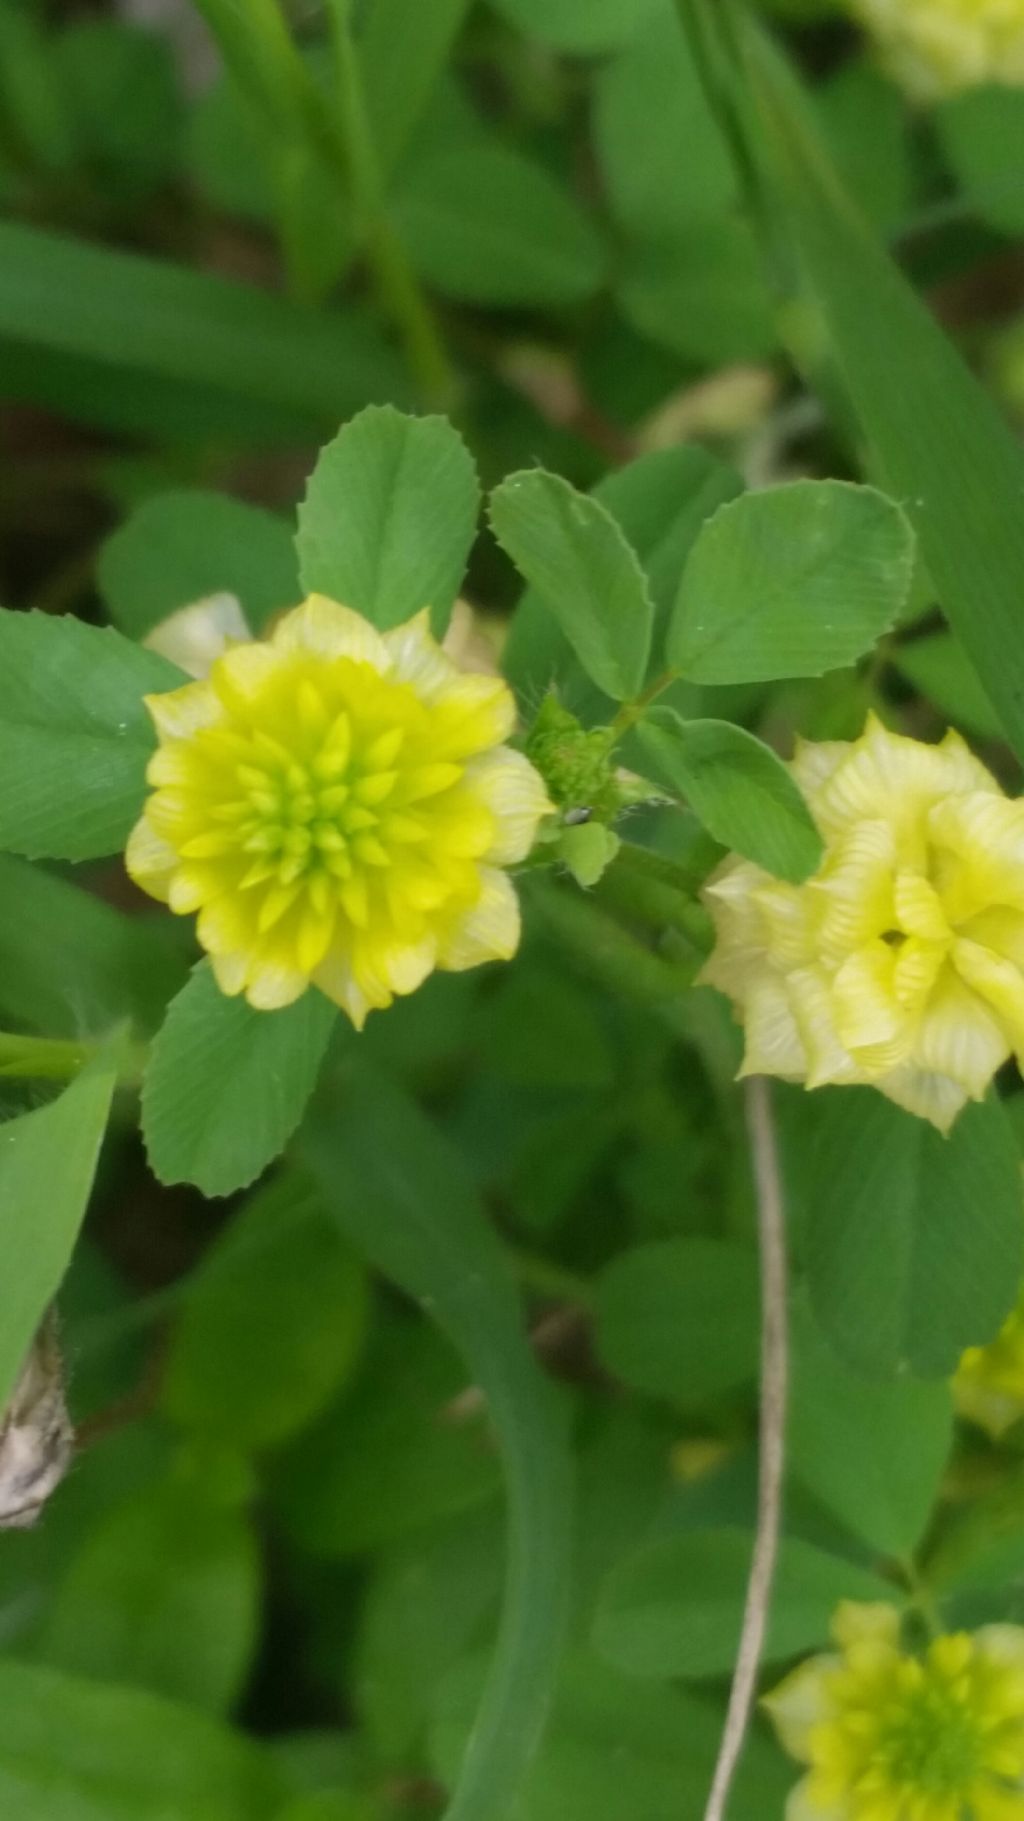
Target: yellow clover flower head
(901,962)
(937,46)
(339,806)
(988,1385)
(890,1736)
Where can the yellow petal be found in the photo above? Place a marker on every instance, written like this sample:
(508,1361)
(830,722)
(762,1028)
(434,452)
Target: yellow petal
(488,932)
(811,1001)
(998,982)
(773,1043)
(800,1703)
(864,1000)
(473,713)
(150,860)
(918,909)
(417,658)
(180,713)
(243,676)
(515,794)
(331,631)
(273,984)
(336,981)
(959,1038)
(230,972)
(196,635)
(933,1097)
(854,889)
(866,1622)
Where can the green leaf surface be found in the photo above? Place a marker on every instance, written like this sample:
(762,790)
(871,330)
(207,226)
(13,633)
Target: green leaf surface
(389,517)
(938,442)
(791,582)
(874,1454)
(681,1318)
(47,1163)
(74,735)
(172,325)
(674,1607)
(583,26)
(620,1750)
(405,1200)
(866,123)
(89,1751)
(179,547)
(914,1241)
(122,91)
(702,297)
(495,228)
(226,1086)
(738,788)
(72,964)
(660,501)
(163,1595)
(569,548)
(939,668)
(390,1458)
(661,152)
(982,134)
(403,47)
(272,1325)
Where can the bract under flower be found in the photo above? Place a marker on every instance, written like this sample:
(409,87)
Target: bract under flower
(339,806)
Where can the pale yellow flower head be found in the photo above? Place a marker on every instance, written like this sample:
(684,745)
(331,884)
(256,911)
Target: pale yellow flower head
(901,962)
(935,47)
(890,1736)
(339,807)
(988,1385)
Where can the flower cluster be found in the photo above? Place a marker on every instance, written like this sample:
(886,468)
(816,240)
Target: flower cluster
(901,962)
(988,1385)
(890,1736)
(339,806)
(936,46)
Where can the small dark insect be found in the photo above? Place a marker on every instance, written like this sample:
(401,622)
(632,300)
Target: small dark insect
(36,1437)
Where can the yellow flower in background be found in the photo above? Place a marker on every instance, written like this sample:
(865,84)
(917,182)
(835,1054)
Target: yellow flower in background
(889,1736)
(988,1385)
(338,806)
(901,962)
(937,46)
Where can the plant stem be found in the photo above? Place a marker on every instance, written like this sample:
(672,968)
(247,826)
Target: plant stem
(774,1393)
(399,288)
(24,1058)
(630,712)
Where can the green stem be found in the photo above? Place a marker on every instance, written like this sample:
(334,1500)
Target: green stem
(631,712)
(24,1058)
(400,291)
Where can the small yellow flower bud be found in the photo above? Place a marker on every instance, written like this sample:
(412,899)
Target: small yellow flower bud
(901,962)
(888,1736)
(338,806)
(937,46)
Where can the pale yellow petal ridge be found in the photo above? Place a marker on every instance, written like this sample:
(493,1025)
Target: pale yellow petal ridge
(801,1702)
(803,1805)
(487,932)
(328,630)
(515,794)
(959,1038)
(418,659)
(179,713)
(150,860)
(773,1043)
(196,635)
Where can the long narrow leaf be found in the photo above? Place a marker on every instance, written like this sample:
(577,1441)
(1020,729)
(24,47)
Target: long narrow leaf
(401,1196)
(937,441)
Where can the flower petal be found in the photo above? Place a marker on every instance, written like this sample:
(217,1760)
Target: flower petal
(150,860)
(418,659)
(959,1037)
(800,1703)
(489,931)
(179,713)
(196,635)
(514,792)
(329,630)
(773,1043)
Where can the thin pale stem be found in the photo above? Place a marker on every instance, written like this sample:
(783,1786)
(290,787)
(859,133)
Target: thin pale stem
(774,1391)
